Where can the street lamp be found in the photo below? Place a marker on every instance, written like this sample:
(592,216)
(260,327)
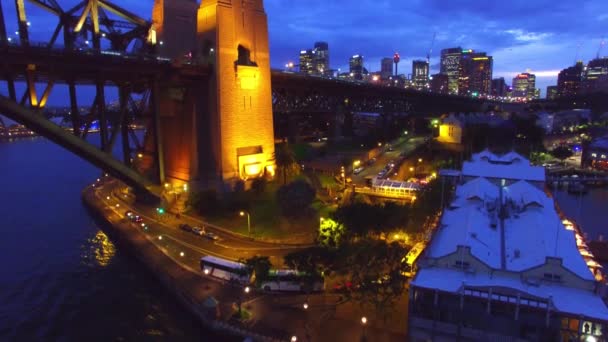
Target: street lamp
(294,338)
(243,213)
(364,323)
(305,306)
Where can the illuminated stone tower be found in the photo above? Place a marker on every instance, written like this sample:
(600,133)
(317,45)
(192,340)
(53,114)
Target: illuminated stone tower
(233,36)
(175,25)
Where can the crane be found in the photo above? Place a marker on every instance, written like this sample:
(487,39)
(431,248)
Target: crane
(428,55)
(599,50)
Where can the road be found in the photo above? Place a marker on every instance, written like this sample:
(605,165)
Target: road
(228,246)
(279,315)
(383,159)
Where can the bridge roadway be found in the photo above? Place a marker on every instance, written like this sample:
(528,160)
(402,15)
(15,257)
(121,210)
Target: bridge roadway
(88,66)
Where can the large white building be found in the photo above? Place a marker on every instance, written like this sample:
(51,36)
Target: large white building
(503,265)
(503,169)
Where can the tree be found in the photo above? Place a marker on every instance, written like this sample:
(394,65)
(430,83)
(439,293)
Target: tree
(375,268)
(362,220)
(205,202)
(312,261)
(260,267)
(562,153)
(295,198)
(258,185)
(331,233)
(285,161)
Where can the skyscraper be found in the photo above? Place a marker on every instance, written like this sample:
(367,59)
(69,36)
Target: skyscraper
(524,86)
(596,76)
(475,73)
(420,74)
(569,80)
(499,87)
(356,67)
(450,64)
(321,58)
(440,84)
(307,61)
(386,68)
(552,92)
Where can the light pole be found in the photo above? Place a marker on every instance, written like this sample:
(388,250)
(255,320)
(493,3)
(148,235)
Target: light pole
(243,213)
(364,324)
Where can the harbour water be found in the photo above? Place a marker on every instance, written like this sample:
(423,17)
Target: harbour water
(61,278)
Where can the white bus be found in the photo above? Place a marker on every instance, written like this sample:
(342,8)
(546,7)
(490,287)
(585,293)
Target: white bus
(292,281)
(225,269)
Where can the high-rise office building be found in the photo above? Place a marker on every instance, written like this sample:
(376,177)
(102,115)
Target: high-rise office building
(307,61)
(440,84)
(386,68)
(356,67)
(596,76)
(499,87)
(569,80)
(475,73)
(321,58)
(552,92)
(450,64)
(420,74)
(524,86)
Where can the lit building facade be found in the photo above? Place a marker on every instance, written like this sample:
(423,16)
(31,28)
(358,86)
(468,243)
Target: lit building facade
(552,92)
(420,74)
(569,80)
(475,73)
(356,67)
(450,130)
(386,68)
(524,86)
(499,87)
(450,65)
(307,61)
(596,76)
(440,84)
(321,58)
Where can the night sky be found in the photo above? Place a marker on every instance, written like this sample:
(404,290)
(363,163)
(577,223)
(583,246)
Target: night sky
(544,36)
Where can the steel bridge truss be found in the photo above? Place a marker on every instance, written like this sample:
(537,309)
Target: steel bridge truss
(121,56)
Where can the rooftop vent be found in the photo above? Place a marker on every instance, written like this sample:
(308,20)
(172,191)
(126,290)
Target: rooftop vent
(517,253)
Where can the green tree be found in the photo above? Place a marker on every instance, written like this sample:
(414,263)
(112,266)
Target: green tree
(331,233)
(562,153)
(285,161)
(258,185)
(205,202)
(259,267)
(295,199)
(376,270)
(314,260)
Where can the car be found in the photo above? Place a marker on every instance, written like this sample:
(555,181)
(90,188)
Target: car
(198,231)
(185,227)
(211,236)
(357,170)
(138,219)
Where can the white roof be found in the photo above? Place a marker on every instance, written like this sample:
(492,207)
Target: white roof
(508,166)
(565,299)
(532,229)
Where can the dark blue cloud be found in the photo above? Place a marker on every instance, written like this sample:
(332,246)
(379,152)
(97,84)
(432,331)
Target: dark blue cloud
(541,35)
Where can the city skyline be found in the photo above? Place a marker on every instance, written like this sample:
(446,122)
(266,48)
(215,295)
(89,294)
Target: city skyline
(517,43)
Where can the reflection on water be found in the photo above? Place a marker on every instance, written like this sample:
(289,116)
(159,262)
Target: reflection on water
(98,250)
(61,278)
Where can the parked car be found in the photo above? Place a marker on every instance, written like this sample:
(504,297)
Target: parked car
(185,227)
(358,170)
(198,231)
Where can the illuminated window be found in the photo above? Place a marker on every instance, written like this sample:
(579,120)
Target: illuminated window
(603,156)
(594,155)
